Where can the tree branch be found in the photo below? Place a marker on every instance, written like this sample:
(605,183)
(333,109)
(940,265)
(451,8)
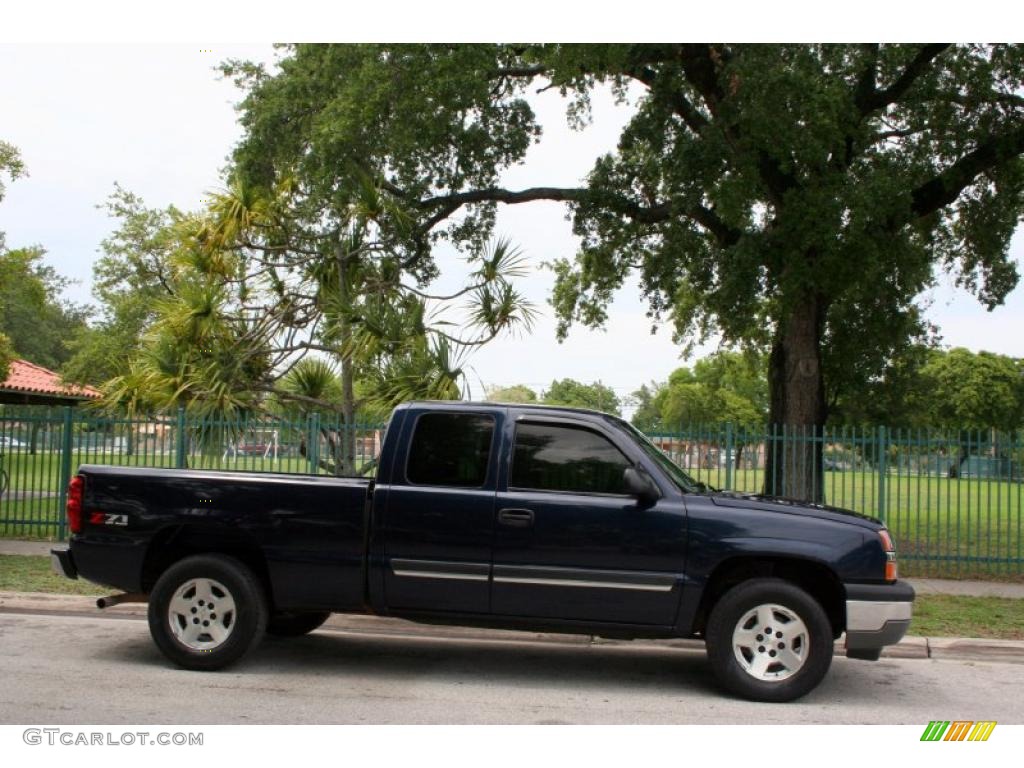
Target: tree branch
(701,64)
(525,71)
(654,214)
(680,104)
(873,100)
(284,395)
(866,84)
(699,68)
(1010,99)
(944,188)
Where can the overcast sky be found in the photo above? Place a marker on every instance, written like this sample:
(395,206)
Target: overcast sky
(158,120)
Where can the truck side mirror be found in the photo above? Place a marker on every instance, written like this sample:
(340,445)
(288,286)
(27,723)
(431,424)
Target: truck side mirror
(639,484)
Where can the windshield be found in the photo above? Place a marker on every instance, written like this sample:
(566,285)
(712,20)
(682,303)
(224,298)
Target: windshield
(686,483)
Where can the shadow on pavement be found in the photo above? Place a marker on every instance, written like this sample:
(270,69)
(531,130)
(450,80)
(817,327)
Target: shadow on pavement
(456,661)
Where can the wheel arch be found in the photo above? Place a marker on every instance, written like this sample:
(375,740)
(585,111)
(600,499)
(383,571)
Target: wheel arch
(815,578)
(176,542)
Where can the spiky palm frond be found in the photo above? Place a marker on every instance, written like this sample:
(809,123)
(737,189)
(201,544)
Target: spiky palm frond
(196,313)
(499,307)
(378,325)
(234,212)
(502,260)
(423,370)
(136,391)
(369,203)
(313,378)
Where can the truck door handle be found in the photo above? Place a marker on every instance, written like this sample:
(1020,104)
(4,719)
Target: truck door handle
(518,518)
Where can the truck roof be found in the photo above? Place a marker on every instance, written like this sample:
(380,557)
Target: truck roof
(521,406)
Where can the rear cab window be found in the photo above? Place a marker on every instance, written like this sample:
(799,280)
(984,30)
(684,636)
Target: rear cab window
(450,449)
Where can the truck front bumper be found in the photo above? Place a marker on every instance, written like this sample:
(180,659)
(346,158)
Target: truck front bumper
(63,564)
(877,615)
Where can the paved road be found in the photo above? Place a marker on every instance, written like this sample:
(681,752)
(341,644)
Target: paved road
(83,669)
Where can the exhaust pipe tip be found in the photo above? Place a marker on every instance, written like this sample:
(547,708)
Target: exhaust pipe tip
(127,597)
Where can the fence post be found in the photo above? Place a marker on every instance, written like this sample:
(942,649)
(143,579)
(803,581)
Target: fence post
(883,446)
(314,443)
(179,448)
(728,456)
(65,472)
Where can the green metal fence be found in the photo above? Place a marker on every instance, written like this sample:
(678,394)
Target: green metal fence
(953,499)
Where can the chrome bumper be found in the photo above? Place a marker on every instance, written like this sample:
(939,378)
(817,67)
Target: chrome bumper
(876,616)
(870,616)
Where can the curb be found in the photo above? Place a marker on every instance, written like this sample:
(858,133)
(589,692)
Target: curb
(911,647)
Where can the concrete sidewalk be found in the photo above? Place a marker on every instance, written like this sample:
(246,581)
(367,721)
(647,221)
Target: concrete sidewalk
(19,547)
(967,588)
(921,586)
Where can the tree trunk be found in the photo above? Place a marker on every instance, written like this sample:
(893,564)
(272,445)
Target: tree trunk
(956,469)
(348,412)
(797,410)
(347,465)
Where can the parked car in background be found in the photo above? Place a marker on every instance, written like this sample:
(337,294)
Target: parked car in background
(835,465)
(12,444)
(255,449)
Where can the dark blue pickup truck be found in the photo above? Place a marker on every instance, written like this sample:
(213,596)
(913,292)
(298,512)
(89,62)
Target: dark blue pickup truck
(523,517)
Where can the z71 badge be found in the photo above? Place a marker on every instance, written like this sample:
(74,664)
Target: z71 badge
(102,518)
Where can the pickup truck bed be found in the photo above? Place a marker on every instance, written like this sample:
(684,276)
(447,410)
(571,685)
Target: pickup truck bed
(310,531)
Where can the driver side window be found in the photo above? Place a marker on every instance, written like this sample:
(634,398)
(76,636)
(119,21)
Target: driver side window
(558,457)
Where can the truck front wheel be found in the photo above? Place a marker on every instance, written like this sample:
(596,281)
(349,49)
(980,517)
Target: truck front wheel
(768,640)
(207,611)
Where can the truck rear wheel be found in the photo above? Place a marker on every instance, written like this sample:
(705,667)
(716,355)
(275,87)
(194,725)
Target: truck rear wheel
(295,624)
(207,611)
(768,640)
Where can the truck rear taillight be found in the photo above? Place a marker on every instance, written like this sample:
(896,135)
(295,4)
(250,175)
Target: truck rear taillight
(891,572)
(76,491)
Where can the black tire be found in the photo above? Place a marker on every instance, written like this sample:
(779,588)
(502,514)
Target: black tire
(289,624)
(763,674)
(211,579)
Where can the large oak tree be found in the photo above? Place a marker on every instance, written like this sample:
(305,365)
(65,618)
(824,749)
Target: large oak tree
(796,198)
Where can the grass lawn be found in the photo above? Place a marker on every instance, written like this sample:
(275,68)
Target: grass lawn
(934,615)
(954,616)
(30,573)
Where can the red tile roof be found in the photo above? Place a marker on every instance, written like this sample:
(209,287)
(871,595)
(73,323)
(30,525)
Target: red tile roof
(24,376)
